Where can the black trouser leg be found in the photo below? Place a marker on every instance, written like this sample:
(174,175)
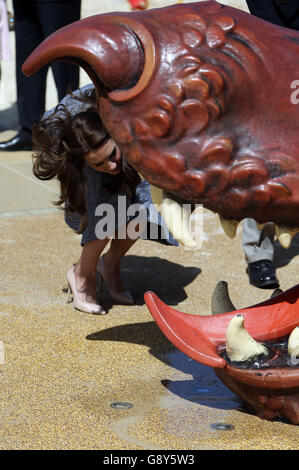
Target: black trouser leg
(30,90)
(276,12)
(34,21)
(54,16)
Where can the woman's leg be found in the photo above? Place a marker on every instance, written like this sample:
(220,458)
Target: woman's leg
(86,268)
(118,248)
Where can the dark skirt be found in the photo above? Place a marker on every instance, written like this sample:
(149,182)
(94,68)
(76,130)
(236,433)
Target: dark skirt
(118,209)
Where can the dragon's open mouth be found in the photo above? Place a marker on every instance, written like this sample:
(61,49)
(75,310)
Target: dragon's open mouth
(276,317)
(198,336)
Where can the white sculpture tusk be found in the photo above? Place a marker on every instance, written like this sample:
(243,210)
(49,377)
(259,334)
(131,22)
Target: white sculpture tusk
(176,218)
(177,221)
(285,235)
(293,345)
(240,346)
(229,226)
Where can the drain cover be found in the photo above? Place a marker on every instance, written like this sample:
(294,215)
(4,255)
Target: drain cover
(121,405)
(222,426)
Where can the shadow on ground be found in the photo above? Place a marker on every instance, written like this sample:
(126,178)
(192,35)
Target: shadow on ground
(165,278)
(203,388)
(284,257)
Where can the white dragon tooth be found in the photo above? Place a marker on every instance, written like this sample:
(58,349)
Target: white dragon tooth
(240,346)
(285,235)
(293,345)
(177,220)
(229,226)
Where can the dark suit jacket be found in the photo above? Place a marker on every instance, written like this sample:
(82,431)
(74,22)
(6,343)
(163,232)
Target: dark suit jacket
(280,12)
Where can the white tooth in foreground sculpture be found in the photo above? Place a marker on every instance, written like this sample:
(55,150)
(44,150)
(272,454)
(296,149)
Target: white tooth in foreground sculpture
(240,346)
(293,345)
(285,235)
(229,226)
(176,219)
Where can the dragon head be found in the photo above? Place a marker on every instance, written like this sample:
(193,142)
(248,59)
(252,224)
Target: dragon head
(199,99)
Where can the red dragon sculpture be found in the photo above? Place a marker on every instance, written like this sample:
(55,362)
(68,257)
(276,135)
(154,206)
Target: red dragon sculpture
(199,99)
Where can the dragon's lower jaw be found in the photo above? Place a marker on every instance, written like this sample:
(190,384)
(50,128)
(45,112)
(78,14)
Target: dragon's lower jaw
(198,336)
(270,393)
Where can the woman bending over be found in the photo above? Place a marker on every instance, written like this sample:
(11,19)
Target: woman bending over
(72,145)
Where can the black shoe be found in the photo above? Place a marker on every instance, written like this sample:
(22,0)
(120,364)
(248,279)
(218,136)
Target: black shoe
(262,274)
(16,143)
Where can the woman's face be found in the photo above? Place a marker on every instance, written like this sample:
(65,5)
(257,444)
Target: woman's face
(105,159)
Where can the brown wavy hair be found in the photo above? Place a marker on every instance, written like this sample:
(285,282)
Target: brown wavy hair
(61,141)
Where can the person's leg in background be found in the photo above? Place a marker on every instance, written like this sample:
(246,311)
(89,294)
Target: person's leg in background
(53,16)
(259,254)
(30,91)
(267,10)
(34,21)
(281,12)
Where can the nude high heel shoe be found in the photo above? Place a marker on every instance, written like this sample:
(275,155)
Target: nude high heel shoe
(124,297)
(87,307)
